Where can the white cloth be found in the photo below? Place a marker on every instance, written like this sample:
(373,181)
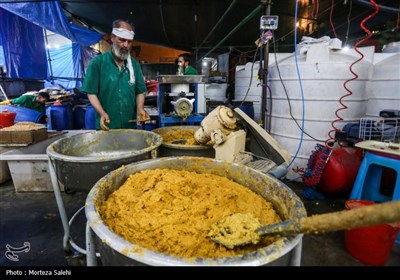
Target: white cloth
(123,33)
(131,73)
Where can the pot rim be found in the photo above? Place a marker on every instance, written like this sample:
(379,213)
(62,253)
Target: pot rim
(149,257)
(103,158)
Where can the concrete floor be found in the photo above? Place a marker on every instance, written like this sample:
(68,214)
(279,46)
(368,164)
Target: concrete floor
(33,217)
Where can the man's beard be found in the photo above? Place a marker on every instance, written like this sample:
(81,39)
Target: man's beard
(119,52)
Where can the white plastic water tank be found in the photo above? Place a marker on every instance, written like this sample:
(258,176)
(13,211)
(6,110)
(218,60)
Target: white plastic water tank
(383,88)
(393,47)
(242,81)
(216,92)
(323,72)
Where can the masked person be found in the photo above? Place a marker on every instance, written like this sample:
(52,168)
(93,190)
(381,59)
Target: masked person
(114,83)
(185,61)
(34,102)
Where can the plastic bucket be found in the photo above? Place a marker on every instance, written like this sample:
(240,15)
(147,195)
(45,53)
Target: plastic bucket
(7,118)
(370,245)
(79,112)
(245,106)
(90,117)
(61,117)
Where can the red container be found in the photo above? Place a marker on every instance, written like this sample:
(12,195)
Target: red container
(370,245)
(7,118)
(341,171)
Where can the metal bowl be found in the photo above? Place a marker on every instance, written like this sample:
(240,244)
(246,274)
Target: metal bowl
(81,160)
(115,250)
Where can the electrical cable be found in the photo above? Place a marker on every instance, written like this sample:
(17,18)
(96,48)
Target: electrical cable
(330,18)
(376,6)
(301,87)
(348,24)
(288,99)
(315,14)
(270,109)
(216,25)
(244,21)
(251,77)
(163,24)
(398,20)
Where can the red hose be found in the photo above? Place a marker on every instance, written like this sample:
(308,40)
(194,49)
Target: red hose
(369,34)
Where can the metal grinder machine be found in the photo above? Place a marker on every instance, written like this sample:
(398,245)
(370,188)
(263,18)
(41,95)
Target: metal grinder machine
(178,98)
(238,138)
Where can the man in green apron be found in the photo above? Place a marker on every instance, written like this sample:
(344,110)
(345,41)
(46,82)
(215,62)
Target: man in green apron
(114,83)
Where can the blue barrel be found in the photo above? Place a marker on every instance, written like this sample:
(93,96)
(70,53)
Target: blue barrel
(79,112)
(61,117)
(90,117)
(48,114)
(25,114)
(245,106)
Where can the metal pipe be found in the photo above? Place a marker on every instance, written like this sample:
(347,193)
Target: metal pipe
(265,72)
(60,205)
(48,54)
(91,259)
(244,21)
(295,259)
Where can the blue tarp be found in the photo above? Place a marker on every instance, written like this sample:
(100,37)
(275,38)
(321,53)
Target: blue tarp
(21,37)
(68,63)
(24,47)
(2,58)
(49,15)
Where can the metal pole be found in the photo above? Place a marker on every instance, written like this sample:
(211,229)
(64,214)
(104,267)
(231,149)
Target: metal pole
(60,205)
(295,259)
(91,259)
(48,54)
(265,71)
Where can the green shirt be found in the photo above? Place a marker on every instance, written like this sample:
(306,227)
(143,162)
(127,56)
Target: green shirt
(190,70)
(28,101)
(112,88)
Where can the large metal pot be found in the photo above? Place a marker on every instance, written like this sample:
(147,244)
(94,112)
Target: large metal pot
(81,160)
(114,250)
(172,150)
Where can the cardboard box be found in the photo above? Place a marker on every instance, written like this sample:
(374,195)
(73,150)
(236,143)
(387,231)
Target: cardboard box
(15,135)
(5,137)
(28,136)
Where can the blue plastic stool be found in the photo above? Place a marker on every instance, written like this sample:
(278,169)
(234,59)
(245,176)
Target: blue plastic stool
(368,181)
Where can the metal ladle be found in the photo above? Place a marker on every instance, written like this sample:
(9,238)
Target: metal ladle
(250,230)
